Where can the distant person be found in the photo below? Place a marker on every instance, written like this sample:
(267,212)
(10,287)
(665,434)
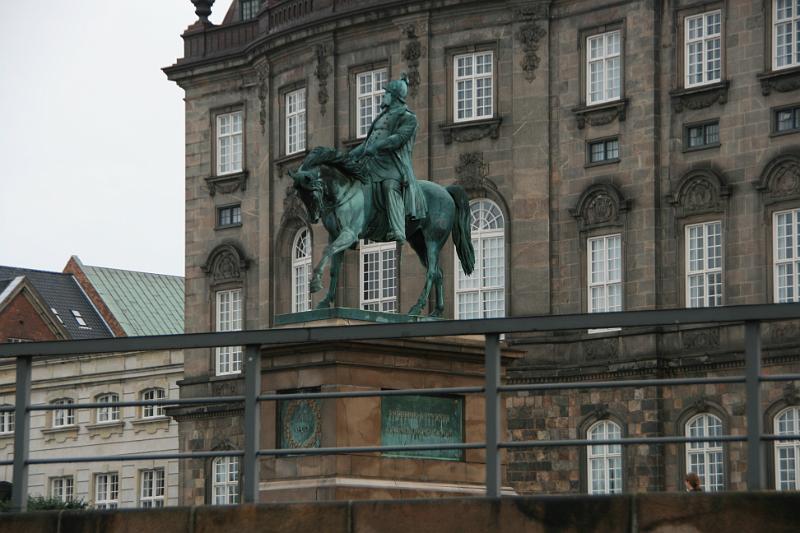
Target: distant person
(692,482)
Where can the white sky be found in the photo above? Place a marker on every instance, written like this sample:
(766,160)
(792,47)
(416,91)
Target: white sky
(92,135)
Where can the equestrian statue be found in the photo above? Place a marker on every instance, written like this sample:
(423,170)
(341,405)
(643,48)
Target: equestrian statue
(371,193)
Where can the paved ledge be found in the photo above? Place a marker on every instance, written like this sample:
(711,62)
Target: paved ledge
(652,513)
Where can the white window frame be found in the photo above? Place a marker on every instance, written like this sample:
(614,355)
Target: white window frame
(63,417)
(230,137)
(710,266)
(153,411)
(110,414)
(369,92)
(106,490)
(79,319)
(700,456)
(6,421)
(472,110)
(295,121)
(62,488)
(606,455)
(225,480)
(487,229)
(301,270)
(792,21)
(705,43)
(606,60)
(152,488)
(604,281)
(228,313)
(790,447)
(384,268)
(791,262)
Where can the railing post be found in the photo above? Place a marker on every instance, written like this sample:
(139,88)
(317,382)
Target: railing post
(22,423)
(755,448)
(492,415)
(252,419)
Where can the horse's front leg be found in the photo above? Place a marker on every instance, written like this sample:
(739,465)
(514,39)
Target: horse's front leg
(336,265)
(432,276)
(343,241)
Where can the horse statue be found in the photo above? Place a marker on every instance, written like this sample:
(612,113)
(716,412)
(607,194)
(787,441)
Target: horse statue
(346,204)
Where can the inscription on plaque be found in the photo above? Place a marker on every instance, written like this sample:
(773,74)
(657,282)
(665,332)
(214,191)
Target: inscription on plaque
(423,420)
(299,424)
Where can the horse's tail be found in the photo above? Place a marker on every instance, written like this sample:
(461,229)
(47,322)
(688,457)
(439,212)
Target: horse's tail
(462,234)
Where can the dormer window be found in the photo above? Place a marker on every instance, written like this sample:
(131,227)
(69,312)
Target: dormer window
(249,8)
(79,319)
(53,309)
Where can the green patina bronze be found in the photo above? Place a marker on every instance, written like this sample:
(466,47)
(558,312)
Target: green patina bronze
(371,193)
(300,424)
(423,420)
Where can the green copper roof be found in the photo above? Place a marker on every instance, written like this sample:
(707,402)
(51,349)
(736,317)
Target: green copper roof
(142,303)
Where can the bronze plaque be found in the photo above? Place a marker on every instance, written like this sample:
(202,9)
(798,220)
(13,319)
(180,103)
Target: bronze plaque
(300,424)
(423,420)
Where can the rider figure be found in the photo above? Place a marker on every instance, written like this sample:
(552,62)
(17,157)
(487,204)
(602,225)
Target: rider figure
(384,158)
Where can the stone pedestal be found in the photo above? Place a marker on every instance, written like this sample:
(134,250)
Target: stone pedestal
(412,363)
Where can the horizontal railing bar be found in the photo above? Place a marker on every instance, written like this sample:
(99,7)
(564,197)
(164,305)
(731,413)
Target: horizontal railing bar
(438,328)
(369,393)
(622,383)
(627,440)
(365,449)
(7,408)
(793,436)
(6,463)
(134,457)
(135,403)
(780,377)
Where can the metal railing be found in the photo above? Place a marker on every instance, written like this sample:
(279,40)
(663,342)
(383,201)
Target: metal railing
(491,329)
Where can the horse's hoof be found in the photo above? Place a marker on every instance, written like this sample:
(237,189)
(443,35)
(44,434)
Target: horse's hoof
(437,313)
(315,286)
(324,304)
(415,311)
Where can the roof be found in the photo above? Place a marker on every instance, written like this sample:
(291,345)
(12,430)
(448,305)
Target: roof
(62,293)
(142,303)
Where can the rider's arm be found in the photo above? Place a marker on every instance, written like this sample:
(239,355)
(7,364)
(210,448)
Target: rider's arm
(406,127)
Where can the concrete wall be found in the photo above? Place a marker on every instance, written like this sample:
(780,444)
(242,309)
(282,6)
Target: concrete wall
(656,513)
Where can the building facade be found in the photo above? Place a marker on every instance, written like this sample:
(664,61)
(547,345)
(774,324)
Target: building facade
(86,302)
(625,155)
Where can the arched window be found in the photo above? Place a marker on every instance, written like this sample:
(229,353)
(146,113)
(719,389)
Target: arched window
(153,411)
(787,452)
(64,416)
(482,294)
(225,484)
(107,414)
(705,458)
(604,461)
(301,271)
(378,276)
(6,421)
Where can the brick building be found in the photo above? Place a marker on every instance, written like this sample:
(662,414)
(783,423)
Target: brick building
(625,155)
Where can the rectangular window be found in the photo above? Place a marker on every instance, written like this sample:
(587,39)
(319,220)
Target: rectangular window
(785,34)
(704,264)
(152,488)
(229,143)
(787,120)
(295,121)
(703,38)
(79,319)
(701,135)
(63,416)
(229,216)
(605,274)
(379,276)
(62,488)
(603,67)
(786,226)
(474,92)
(369,90)
(250,8)
(226,480)
(153,411)
(604,151)
(6,421)
(106,490)
(229,318)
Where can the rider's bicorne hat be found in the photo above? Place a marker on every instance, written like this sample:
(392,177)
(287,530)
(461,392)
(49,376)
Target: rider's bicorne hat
(398,88)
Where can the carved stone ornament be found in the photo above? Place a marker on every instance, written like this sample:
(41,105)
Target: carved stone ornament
(412,53)
(472,172)
(321,72)
(700,191)
(700,98)
(471,131)
(791,394)
(293,207)
(600,205)
(600,115)
(601,412)
(602,349)
(703,339)
(228,183)
(781,81)
(700,405)
(780,179)
(529,35)
(226,263)
(784,332)
(262,70)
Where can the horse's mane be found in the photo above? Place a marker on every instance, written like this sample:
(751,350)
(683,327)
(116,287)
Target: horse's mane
(331,158)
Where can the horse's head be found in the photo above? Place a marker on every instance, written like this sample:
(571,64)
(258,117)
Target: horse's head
(309,179)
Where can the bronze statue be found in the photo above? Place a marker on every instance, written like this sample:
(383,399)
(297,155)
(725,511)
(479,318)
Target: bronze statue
(371,193)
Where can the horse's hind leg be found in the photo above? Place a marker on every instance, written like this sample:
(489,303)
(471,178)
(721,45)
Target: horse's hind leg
(433,275)
(439,283)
